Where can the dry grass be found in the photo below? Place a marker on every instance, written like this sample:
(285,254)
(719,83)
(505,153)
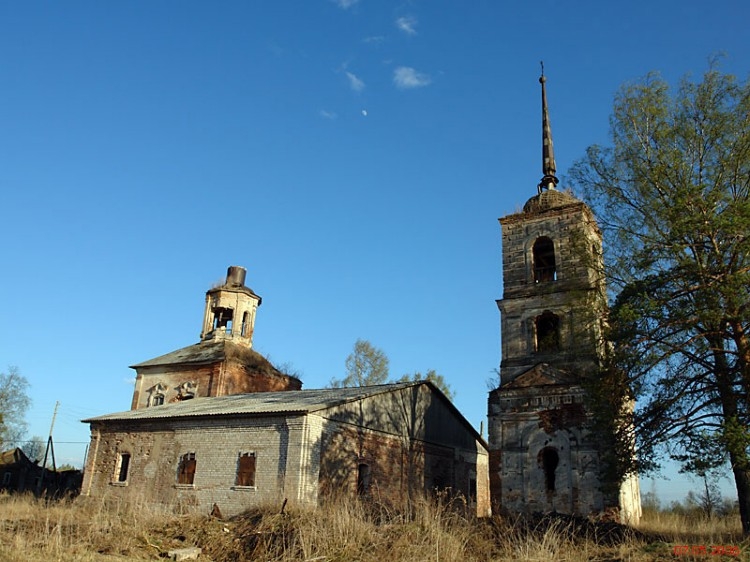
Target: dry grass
(99,531)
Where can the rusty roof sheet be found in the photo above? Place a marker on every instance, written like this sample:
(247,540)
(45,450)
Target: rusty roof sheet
(204,352)
(13,456)
(256,403)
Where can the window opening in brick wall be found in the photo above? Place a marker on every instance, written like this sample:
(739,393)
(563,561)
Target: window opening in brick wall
(6,478)
(545,268)
(187,390)
(244,323)
(364,479)
(472,490)
(245,470)
(157,394)
(547,332)
(186,469)
(123,466)
(549,459)
(223,319)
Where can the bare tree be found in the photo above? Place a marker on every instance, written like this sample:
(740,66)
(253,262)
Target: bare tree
(34,448)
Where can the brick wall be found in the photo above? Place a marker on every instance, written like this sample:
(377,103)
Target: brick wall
(298,457)
(155,451)
(231,376)
(399,468)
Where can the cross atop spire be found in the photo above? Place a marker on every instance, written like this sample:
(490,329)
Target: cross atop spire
(549,180)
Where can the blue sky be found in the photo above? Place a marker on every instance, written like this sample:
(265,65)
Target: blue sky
(354,156)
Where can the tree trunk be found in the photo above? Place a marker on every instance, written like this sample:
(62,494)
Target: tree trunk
(737,449)
(742,482)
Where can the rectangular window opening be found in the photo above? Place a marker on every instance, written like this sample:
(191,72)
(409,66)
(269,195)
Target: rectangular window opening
(364,479)
(472,490)
(223,318)
(123,467)
(245,470)
(186,469)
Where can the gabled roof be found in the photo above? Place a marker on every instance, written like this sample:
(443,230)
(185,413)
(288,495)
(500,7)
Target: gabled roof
(275,403)
(255,403)
(541,374)
(14,456)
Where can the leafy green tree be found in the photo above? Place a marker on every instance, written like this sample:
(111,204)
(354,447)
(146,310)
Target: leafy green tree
(14,401)
(366,365)
(672,196)
(434,378)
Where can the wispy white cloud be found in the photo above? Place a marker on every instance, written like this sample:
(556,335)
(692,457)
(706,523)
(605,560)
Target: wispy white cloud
(345,4)
(327,114)
(407,24)
(355,83)
(407,78)
(374,40)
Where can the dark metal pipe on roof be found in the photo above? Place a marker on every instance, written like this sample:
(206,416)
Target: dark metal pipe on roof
(236,276)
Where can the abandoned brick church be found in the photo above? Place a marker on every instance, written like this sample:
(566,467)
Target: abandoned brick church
(215,423)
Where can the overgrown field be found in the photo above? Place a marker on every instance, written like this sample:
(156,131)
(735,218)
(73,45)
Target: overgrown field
(96,531)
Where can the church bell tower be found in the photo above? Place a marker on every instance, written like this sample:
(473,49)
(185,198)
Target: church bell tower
(542,457)
(230,310)
(222,363)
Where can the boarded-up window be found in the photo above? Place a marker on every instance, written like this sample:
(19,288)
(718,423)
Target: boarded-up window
(245,470)
(186,469)
(123,465)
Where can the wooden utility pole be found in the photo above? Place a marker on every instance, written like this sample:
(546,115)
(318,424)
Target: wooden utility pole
(50,449)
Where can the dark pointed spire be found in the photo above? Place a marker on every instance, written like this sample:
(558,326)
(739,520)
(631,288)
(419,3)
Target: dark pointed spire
(549,180)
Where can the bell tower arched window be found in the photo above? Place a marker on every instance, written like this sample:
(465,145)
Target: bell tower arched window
(547,332)
(545,268)
(223,319)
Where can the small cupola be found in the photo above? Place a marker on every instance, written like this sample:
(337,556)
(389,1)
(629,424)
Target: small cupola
(230,309)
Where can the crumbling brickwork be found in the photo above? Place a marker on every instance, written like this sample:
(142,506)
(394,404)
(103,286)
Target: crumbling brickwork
(222,363)
(156,449)
(542,456)
(409,442)
(233,370)
(189,454)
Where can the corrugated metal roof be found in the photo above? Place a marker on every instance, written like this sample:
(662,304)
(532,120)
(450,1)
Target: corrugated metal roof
(284,402)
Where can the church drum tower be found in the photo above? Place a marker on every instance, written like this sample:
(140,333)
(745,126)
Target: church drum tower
(542,457)
(222,363)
